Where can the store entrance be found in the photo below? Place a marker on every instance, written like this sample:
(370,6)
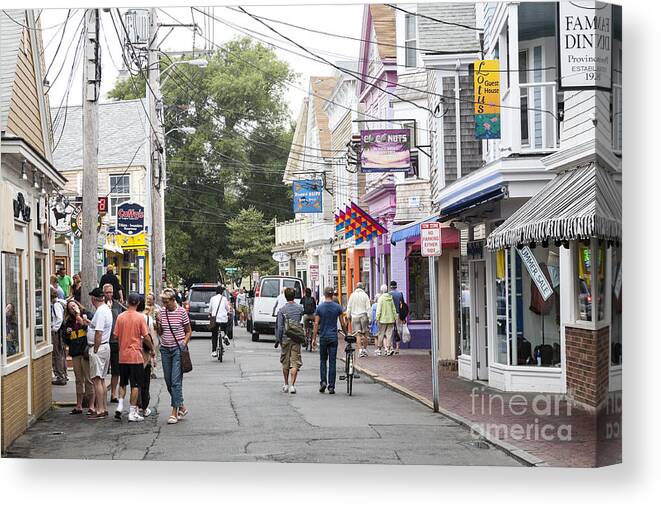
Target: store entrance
(479,323)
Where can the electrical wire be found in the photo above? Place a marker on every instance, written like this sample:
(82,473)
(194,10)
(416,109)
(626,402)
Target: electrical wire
(128,166)
(451,23)
(35,29)
(59,44)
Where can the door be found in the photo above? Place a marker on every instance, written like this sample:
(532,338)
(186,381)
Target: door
(479,321)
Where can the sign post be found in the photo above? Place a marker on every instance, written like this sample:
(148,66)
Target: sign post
(431,246)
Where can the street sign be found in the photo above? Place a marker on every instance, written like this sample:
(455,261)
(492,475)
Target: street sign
(430,239)
(231,270)
(314,271)
(281,256)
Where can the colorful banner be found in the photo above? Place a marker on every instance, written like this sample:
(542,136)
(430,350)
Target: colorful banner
(385,150)
(308,196)
(486,76)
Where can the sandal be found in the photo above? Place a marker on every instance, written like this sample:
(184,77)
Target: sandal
(76,411)
(182,413)
(91,412)
(172,420)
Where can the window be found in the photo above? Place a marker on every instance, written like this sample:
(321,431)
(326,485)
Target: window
(296,285)
(270,288)
(502,308)
(11,322)
(409,40)
(465,306)
(523,78)
(418,297)
(616,307)
(39,292)
(120,188)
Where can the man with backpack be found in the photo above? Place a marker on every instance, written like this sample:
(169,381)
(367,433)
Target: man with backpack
(290,355)
(59,358)
(309,307)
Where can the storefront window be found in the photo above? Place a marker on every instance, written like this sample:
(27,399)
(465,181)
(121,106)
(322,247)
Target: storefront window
(465,306)
(11,334)
(601,279)
(616,307)
(39,292)
(502,308)
(584,285)
(418,297)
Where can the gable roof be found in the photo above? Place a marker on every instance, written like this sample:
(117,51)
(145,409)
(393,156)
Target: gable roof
(10,40)
(322,88)
(383,21)
(123,128)
(294,160)
(443,37)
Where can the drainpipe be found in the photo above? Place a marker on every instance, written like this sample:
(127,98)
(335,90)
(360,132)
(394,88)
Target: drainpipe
(457,114)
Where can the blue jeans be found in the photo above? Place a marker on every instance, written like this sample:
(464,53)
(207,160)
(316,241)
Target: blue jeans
(327,352)
(173,375)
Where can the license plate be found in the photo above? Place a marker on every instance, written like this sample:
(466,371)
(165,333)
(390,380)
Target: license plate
(201,322)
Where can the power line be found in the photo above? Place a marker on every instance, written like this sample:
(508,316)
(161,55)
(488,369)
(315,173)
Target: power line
(59,44)
(128,166)
(451,23)
(35,29)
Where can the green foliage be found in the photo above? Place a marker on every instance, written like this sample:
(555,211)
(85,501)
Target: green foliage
(251,240)
(234,160)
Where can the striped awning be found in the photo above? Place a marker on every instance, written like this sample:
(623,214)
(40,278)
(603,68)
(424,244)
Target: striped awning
(578,204)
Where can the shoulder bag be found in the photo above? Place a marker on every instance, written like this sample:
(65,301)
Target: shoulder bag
(186,363)
(294,330)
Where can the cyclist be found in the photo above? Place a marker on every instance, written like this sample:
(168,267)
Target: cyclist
(358,310)
(220,311)
(309,307)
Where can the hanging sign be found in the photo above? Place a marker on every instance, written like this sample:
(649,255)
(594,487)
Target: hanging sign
(60,216)
(486,77)
(281,256)
(76,222)
(430,239)
(385,150)
(130,218)
(536,273)
(301,264)
(586,31)
(308,196)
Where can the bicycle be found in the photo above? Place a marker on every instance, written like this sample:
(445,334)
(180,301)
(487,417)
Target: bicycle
(350,352)
(308,334)
(223,341)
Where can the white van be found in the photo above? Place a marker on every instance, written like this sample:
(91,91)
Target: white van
(267,290)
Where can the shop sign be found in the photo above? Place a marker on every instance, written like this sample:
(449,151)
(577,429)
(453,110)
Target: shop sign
(387,150)
(281,256)
(301,264)
(536,273)
(314,271)
(60,216)
(414,201)
(141,275)
(366,263)
(308,196)
(430,239)
(586,29)
(130,218)
(76,222)
(284,267)
(486,76)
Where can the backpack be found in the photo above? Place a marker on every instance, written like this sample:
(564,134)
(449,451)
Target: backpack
(404,310)
(308,305)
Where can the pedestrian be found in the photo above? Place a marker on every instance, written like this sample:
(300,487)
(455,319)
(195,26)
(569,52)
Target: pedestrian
(132,333)
(173,325)
(76,339)
(148,361)
(56,286)
(64,281)
(98,339)
(374,324)
(386,316)
(358,312)
(280,301)
(219,315)
(290,351)
(111,278)
(325,326)
(150,311)
(116,309)
(230,318)
(76,287)
(242,303)
(309,307)
(59,355)
(400,306)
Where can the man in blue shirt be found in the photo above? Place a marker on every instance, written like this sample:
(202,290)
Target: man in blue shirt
(325,326)
(398,299)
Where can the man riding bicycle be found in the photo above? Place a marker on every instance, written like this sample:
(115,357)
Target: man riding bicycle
(220,310)
(358,310)
(309,307)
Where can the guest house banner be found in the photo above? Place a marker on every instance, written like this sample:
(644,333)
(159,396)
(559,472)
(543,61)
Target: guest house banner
(486,75)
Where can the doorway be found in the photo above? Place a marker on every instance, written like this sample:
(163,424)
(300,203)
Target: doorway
(479,320)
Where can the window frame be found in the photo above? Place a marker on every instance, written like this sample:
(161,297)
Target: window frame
(6,360)
(410,42)
(594,322)
(114,195)
(45,298)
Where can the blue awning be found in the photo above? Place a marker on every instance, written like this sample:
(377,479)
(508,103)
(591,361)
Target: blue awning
(492,193)
(411,230)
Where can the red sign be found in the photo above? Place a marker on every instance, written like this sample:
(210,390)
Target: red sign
(430,239)
(103,205)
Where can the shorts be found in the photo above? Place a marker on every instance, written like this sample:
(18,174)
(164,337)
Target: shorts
(133,373)
(360,323)
(290,356)
(243,308)
(114,359)
(100,361)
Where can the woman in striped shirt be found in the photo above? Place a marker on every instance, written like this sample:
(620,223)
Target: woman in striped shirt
(173,326)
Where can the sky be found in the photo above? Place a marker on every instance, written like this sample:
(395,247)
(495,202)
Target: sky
(338,19)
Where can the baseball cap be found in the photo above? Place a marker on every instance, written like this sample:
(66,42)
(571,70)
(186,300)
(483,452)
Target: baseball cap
(97,293)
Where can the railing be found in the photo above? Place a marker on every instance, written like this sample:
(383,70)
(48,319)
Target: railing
(320,231)
(538,114)
(290,232)
(616,122)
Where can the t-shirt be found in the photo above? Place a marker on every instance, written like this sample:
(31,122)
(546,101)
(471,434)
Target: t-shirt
(221,313)
(102,321)
(65,282)
(130,328)
(397,298)
(241,299)
(328,312)
(178,319)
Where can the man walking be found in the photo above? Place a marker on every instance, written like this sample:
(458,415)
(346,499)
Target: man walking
(64,281)
(290,355)
(98,338)
(131,332)
(398,300)
(56,286)
(385,316)
(59,356)
(325,326)
(111,278)
(358,310)
(242,304)
(116,308)
(309,307)
(219,314)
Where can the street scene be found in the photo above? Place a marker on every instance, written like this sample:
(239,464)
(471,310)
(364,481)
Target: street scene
(363,234)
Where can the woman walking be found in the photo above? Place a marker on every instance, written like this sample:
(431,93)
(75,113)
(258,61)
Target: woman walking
(150,311)
(75,338)
(173,326)
(386,315)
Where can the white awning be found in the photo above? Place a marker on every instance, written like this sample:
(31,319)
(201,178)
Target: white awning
(580,203)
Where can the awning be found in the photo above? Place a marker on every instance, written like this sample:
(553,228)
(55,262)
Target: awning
(492,193)
(578,204)
(409,231)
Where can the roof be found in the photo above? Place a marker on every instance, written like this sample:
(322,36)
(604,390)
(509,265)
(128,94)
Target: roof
(407,81)
(123,130)
(294,160)
(10,40)
(322,88)
(383,21)
(578,204)
(443,37)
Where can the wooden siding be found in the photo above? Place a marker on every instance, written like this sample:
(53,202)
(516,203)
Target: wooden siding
(42,390)
(578,126)
(14,406)
(383,20)
(24,118)
(404,212)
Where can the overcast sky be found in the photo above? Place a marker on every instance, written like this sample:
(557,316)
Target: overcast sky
(340,19)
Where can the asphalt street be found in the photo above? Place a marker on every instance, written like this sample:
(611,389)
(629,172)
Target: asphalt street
(237,412)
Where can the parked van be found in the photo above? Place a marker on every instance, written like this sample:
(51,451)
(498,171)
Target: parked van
(266,292)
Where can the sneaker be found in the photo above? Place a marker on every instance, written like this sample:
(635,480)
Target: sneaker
(331,390)
(292,390)
(118,415)
(322,388)
(214,353)
(135,417)
(285,388)
(226,341)
(378,352)
(144,413)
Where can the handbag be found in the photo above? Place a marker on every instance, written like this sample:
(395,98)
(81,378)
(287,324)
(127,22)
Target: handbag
(294,331)
(186,363)
(213,325)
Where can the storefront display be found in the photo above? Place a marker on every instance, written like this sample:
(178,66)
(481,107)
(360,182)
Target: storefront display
(12,340)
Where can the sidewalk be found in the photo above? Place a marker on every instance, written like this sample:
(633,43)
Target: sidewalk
(540,429)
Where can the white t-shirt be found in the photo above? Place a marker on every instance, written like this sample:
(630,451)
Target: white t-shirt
(102,321)
(221,300)
(241,299)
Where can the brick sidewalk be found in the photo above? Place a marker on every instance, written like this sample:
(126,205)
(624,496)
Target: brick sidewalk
(554,433)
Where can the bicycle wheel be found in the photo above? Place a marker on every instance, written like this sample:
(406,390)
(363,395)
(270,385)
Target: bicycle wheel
(221,349)
(349,369)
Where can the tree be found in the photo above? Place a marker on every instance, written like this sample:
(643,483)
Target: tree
(235,158)
(251,240)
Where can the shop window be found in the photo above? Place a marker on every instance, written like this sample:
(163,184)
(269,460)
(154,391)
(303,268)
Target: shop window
(616,307)
(11,322)
(39,295)
(502,308)
(465,306)
(591,282)
(418,297)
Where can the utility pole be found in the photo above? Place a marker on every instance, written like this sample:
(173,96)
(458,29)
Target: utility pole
(91,85)
(157,157)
